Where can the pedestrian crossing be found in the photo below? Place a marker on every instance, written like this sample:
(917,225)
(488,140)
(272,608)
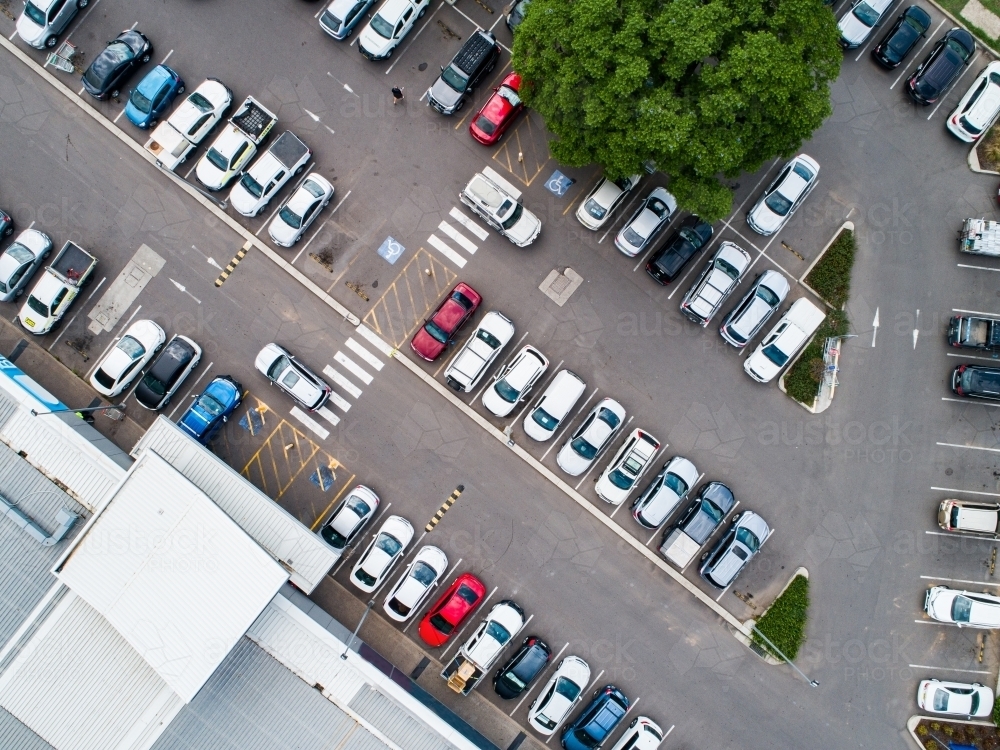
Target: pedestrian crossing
(453,235)
(344,373)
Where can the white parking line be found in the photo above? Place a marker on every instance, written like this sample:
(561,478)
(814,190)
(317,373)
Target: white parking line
(960,580)
(977,268)
(446,251)
(119,115)
(486,380)
(651,461)
(919,52)
(554,371)
(419,32)
(966,492)
(82,19)
(309,422)
(538,682)
(967,402)
(340,402)
(380,512)
(449,230)
(191,390)
(479,27)
(975,312)
(468,223)
(328,415)
(353,367)
(969,447)
(568,713)
(80,92)
(373,338)
(319,11)
(11,37)
(652,247)
(976,537)
(343,382)
(623,212)
(949,669)
(721,524)
(968,356)
(469,620)
(309,241)
(366,355)
(164,60)
(569,421)
(950,88)
(305,173)
(937,622)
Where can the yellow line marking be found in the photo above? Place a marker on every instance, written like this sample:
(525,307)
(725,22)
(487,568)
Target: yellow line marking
(333,502)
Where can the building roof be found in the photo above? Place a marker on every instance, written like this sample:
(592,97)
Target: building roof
(172,573)
(299,549)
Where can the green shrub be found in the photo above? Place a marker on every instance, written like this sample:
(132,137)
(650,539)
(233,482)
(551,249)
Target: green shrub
(784,623)
(831,277)
(996,710)
(803,378)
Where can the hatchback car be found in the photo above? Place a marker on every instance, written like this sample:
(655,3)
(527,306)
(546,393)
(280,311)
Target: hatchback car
(667,490)
(646,223)
(349,518)
(439,331)
(20,260)
(980,106)
(705,514)
(784,195)
(514,677)
(902,37)
(963,608)
(757,306)
(42,21)
(666,263)
(606,196)
(341,16)
(133,351)
(205,417)
(6,224)
(417,581)
(279,366)
(385,550)
(179,357)
(107,73)
(642,734)
(500,110)
(721,276)
(971,700)
(969,517)
(558,399)
(976,381)
(589,730)
(515,381)
(627,467)
(560,694)
(591,437)
(943,66)
(451,610)
(735,549)
(856,25)
(300,210)
(155,92)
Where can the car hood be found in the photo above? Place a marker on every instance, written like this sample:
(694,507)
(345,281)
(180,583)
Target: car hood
(657,510)
(444,94)
(570,461)
(8,264)
(762,367)
(375,43)
(556,708)
(852,31)
(498,406)
(610,492)
(29,31)
(764,219)
(939,603)
(525,230)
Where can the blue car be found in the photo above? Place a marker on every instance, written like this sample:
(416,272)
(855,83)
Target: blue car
(211,409)
(152,96)
(597,721)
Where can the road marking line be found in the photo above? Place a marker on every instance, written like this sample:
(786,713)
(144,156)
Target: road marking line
(374,339)
(960,580)
(968,402)
(569,421)
(309,422)
(969,312)
(458,635)
(990,539)
(164,60)
(340,402)
(353,367)
(652,248)
(446,251)
(113,342)
(11,37)
(366,355)
(970,447)
(977,268)
(966,492)
(328,415)
(969,356)
(949,669)
(119,115)
(619,214)
(566,717)
(343,382)
(468,223)
(552,663)
(449,230)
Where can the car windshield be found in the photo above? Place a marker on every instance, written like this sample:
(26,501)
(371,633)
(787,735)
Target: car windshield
(510,95)
(483,123)
(567,688)
(252,186)
(940,700)
(154,385)
(975,702)
(633,238)
(454,79)
(423,573)
(278,366)
(35,304)
(710,510)
(545,420)
(803,171)
(291,218)
(210,406)
(961,609)
(497,632)
(32,12)
(358,506)
(466,594)
(727,268)
(866,14)
(200,102)
(382,27)
(435,332)
(315,190)
(488,338)
(388,544)
(217,160)
(768,296)
(514,680)
(675,483)
(441,625)
(775,354)
(514,216)
(365,578)
(619,480)
(506,391)
(969,127)
(778,203)
(131,347)
(104,379)
(140,102)
(748,539)
(585,449)
(609,418)
(595,209)
(958,49)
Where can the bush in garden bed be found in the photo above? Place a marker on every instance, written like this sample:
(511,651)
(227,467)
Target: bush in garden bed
(784,623)
(831,277)
(803,378)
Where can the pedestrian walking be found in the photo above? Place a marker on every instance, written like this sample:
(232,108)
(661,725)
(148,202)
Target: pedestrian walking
(397,95)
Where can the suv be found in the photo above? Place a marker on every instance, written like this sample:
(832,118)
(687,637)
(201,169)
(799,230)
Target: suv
(976,381)
(476,58)
(42,21)
(969,517)
(598,720)
(390,24)
(731,553)
(498,202)
(720,277)
(943,66)
(757,306)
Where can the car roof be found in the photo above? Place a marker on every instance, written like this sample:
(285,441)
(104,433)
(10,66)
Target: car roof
(607,193)
(988,103)
(529,362)
(391,10)
(176,355)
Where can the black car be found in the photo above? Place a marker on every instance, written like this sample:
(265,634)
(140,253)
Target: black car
(666,263)
(976,381)
(6,224)
(110,69)
(900,40)
(476,59)
(175,362)
(942,67)
(513,678)
(704,515)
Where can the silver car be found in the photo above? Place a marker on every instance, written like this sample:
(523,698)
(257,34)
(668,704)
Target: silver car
(341,16)
(20,261)
(42,21)
(755,309)
(594,433)
(349,518)
(646,223)
(784,195)
(279,366)
(720,277)
(735,549)
(606,196)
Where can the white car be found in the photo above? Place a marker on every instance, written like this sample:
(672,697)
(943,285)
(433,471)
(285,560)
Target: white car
(782,342)
(721,275)
(390,24)
(955,698)
(133,351)
(228,154)
(646,223)
(860,21)
(760,302)
(627,467)
(300,210)
(499,204)
(286,158)
(594,433)
(416,583)
(349,518)
(963,608)
(557,401)
(559,695)
(281,367)
(373,567)
(784,195)
(668,488)
(515,381)
(979,108)
(193,119)
(606,196)
(642,734)
(492,334)
(41,21)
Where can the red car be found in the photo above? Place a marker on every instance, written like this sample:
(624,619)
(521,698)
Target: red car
(435,335)
(450,611)
(498,112)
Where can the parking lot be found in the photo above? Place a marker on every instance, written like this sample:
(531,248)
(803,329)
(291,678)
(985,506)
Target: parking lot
(851,493)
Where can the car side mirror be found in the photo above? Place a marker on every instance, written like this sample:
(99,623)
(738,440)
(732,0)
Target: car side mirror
(442,68)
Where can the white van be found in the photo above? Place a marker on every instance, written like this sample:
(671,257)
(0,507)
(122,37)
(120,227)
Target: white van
(969,517)
(556,402)
(786,338)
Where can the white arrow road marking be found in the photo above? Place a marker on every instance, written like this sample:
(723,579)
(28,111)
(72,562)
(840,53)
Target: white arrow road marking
(875,328)
(183,288)
(916,331)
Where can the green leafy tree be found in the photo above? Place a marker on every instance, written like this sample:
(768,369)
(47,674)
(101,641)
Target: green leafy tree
(703,88)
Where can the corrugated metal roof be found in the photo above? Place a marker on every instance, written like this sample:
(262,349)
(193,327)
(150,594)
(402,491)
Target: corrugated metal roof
(25,565)
(387,717)
(14,734)
(254,703)
(80,686)
(172,573)
(274,528)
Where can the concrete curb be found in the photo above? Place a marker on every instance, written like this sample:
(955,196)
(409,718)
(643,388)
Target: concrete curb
(965,25)
(913,721)
(973,160)
(747,640)
(215,210)
(849,225)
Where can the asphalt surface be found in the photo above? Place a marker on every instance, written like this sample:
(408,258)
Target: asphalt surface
(851,493)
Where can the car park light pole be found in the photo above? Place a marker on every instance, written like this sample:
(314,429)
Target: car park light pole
(789,662)
(371,603)
(86,410)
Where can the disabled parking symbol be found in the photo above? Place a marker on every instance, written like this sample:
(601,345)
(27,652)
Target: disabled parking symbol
(391,250)
(558,183)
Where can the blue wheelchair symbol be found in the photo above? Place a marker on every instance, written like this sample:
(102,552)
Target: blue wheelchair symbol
(558,183)
(391,250)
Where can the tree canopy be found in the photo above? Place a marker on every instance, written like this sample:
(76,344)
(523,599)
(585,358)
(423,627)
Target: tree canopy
(702,88)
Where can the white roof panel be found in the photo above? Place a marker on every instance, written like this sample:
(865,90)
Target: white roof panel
(172,573)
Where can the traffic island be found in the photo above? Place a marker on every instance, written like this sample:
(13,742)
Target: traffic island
(944,734)
(783,623)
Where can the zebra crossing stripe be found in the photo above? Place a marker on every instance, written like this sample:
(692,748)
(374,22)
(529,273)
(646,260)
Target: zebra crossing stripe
(328,415)
(366,355)
(468,223)
(353,367)
(339,401)
(343,382)
(449,230)
(446,251)
(310,423)
(374,340)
